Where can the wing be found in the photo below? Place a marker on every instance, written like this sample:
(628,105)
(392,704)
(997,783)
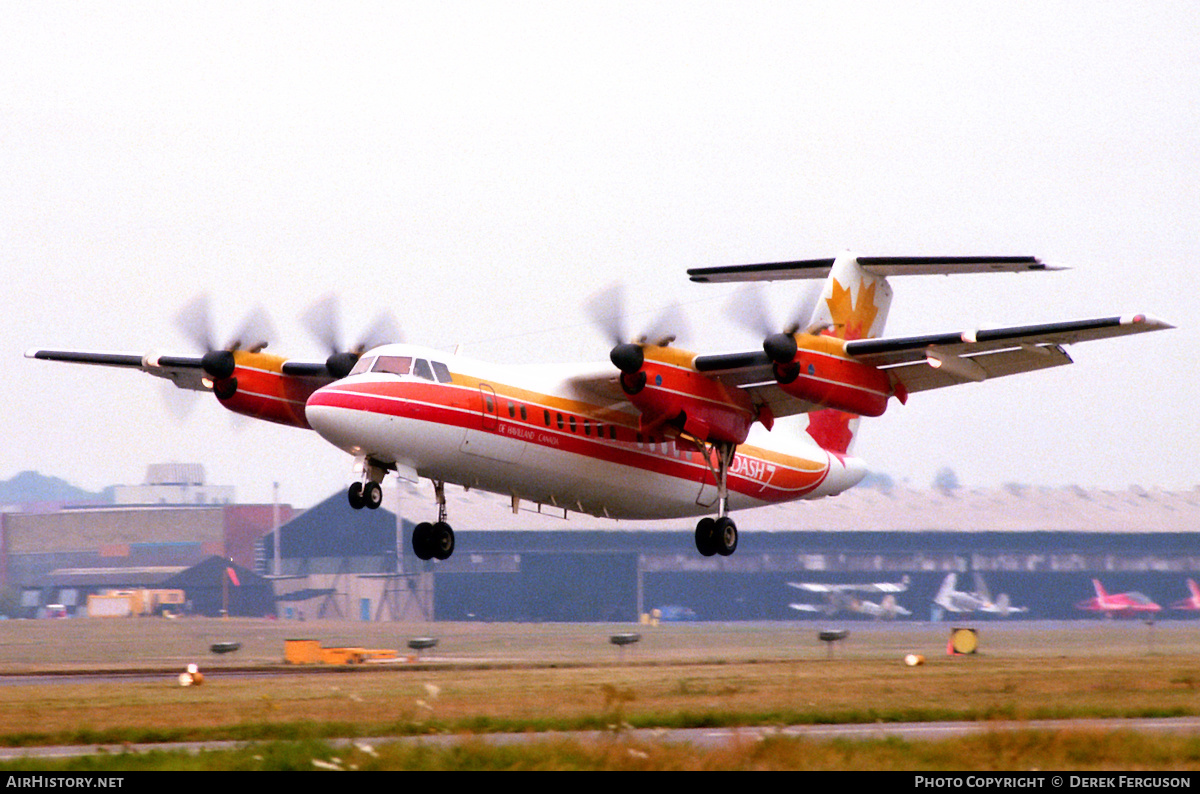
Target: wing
(938,360)
(186,372)
(255,384)
(813,587)
(919,363)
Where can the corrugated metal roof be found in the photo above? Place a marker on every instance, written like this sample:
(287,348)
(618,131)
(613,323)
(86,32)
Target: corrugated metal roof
(1014,508)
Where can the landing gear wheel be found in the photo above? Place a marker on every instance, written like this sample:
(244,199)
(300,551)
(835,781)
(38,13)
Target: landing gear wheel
(725,536)
(443,540)
(355,495)
(433,541)
(422,540)
(706,537)
(372,495)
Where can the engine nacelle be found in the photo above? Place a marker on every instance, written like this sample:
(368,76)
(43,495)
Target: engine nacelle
(257,387)
(815,369)
(673,397)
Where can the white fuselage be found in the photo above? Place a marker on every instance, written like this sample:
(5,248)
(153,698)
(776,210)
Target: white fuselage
(540,434)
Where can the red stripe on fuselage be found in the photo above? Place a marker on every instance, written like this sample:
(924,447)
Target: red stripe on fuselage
(769,477)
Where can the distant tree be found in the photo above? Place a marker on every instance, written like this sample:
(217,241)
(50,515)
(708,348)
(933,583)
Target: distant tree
(878,481)
(945,480)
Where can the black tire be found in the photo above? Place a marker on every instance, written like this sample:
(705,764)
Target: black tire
(706,537)
(355,495)
(372,495)
(422,540)
(725,536)
(442,540)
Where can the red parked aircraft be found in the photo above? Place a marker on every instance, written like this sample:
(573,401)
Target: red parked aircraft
(1192,602)
(1131,603)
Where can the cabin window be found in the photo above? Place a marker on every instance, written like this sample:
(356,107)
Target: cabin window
(572,420)
(587,427)
(512,411)
(560,421)
(393,365)
(422,369)
(363,365)
(546,417)
(524,414)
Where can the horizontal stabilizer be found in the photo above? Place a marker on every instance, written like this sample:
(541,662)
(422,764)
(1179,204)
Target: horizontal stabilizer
(875,265)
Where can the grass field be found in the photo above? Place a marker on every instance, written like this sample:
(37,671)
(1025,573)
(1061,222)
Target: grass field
(486,678)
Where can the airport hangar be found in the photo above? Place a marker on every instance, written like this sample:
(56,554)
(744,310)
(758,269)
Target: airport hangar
(1041,546)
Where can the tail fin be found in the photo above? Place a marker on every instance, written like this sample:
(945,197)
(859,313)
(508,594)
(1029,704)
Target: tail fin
(1099,589)
(947,587)
(853,305)
(854,302)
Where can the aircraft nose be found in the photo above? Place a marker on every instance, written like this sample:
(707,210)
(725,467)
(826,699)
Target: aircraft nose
(329,415)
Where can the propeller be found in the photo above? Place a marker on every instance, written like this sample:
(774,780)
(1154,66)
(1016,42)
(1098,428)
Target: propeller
(195,321)
(322,320)
(749,308)
(607,310)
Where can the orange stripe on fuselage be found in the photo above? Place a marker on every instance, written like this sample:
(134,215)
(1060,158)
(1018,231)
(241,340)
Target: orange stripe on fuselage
(586,429)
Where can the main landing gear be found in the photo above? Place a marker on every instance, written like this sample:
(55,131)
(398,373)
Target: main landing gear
(436,540)
(718,535)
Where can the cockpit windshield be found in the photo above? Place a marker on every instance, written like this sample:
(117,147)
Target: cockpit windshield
(363,365)
(393,365)
(434,371)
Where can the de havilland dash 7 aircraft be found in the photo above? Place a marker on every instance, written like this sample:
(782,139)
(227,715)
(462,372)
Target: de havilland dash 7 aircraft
(656,432)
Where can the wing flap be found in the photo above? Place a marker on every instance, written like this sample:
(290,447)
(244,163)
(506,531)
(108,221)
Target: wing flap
(920,376)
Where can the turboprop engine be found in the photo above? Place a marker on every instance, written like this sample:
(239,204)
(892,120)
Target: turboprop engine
(814,368)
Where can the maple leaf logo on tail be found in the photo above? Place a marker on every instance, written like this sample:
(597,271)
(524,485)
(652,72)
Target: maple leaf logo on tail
(852,319)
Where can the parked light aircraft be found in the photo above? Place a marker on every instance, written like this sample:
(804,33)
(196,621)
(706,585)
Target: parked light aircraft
(1122,604)
(1192,602)
(658,432)
(844,596)
(979,600)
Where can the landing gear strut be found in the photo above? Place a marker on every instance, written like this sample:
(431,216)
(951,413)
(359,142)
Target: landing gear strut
(718,535)
(434,541)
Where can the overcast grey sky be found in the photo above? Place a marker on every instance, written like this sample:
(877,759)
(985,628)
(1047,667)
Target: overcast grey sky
(482,168)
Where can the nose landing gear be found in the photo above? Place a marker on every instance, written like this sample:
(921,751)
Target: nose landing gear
(365,494)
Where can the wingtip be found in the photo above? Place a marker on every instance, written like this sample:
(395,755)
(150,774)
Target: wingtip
(1147,321)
